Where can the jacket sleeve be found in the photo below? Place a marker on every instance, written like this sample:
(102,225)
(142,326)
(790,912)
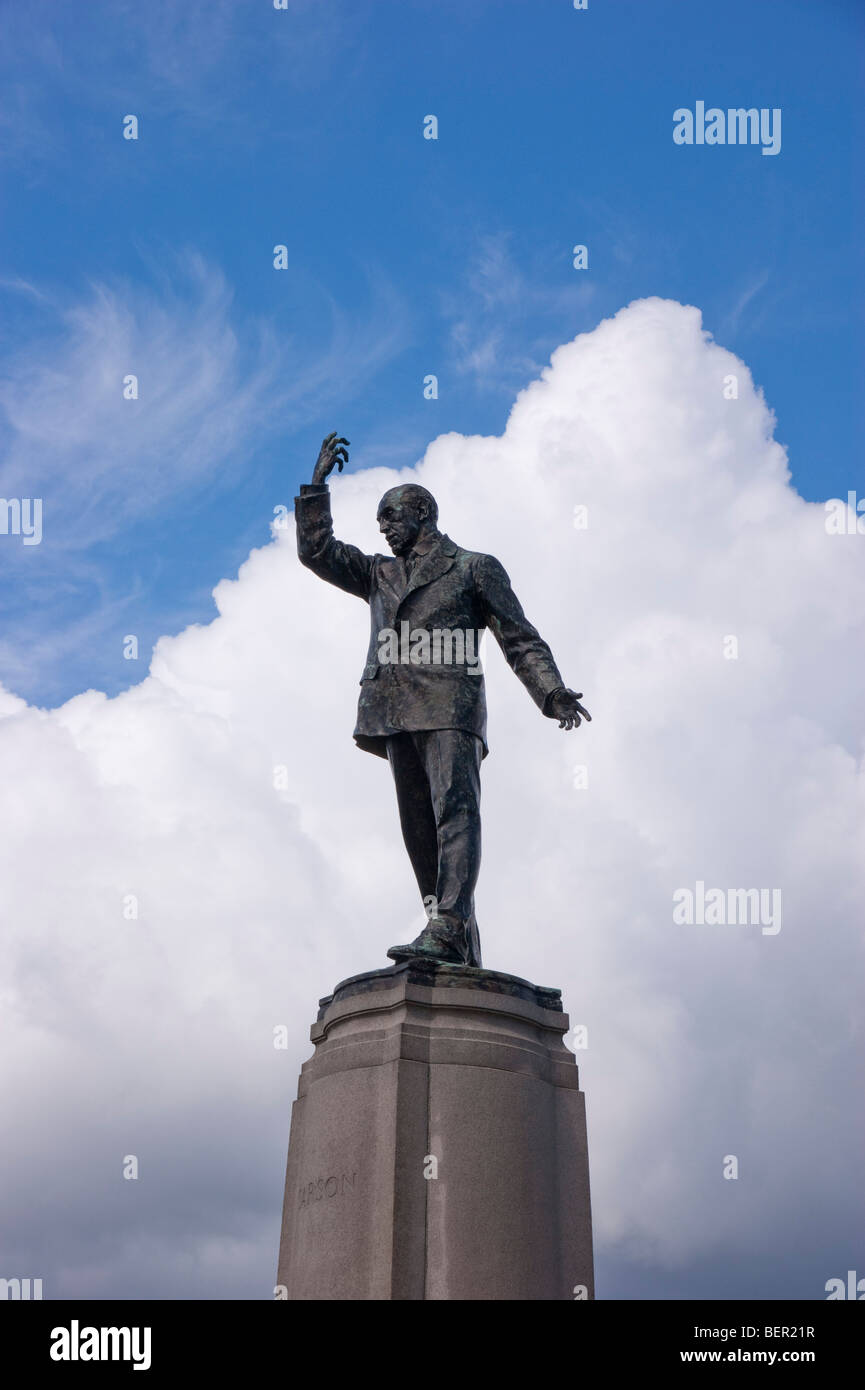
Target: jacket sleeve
(340,564)
(524,649)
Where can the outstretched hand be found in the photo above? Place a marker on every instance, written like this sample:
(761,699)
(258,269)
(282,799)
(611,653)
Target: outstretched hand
(565,706)
(333,452)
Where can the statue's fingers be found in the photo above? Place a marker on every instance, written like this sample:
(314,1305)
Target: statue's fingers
(343,441)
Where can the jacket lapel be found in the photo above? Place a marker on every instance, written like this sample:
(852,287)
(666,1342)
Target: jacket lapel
(392,577)
(433,565)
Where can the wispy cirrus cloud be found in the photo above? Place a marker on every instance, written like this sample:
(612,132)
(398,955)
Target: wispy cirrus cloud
(735,318)
(209,383)
(506,316)
(202,63)
(99,456)
(215,387)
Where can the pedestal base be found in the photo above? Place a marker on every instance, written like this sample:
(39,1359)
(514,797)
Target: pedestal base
(438,1144)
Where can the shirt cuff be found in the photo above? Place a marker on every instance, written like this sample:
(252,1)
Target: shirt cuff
(549,699)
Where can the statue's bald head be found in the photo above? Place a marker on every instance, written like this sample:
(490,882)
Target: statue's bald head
(404,513)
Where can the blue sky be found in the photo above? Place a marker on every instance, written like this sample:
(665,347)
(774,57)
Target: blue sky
(406,257)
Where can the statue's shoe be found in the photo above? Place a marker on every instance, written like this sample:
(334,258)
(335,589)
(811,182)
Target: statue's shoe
(439,941)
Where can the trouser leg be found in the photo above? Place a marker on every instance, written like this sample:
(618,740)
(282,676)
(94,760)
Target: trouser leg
(452,761)
(414,801)
(437,777)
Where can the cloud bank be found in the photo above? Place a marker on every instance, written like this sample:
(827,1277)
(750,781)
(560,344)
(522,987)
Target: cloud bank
(223,799)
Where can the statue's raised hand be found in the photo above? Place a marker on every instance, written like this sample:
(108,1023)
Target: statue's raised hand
(333,452)
(565,706)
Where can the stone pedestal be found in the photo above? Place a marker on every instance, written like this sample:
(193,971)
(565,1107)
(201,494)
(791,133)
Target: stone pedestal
(438,1144)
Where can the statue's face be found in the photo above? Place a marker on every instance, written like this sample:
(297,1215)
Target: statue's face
(400,518)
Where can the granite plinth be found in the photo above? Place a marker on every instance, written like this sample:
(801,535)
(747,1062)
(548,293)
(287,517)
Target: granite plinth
(438,1144)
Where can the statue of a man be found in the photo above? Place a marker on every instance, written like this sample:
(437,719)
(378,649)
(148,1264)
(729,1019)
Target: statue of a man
(422,704)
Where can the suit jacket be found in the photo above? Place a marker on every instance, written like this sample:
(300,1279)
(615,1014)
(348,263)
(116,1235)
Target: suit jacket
(449,589)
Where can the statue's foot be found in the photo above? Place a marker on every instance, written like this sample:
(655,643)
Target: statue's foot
(439,941)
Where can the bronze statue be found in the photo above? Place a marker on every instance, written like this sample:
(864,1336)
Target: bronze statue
(422,704)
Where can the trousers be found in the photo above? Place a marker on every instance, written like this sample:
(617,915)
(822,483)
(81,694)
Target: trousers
(437,773)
